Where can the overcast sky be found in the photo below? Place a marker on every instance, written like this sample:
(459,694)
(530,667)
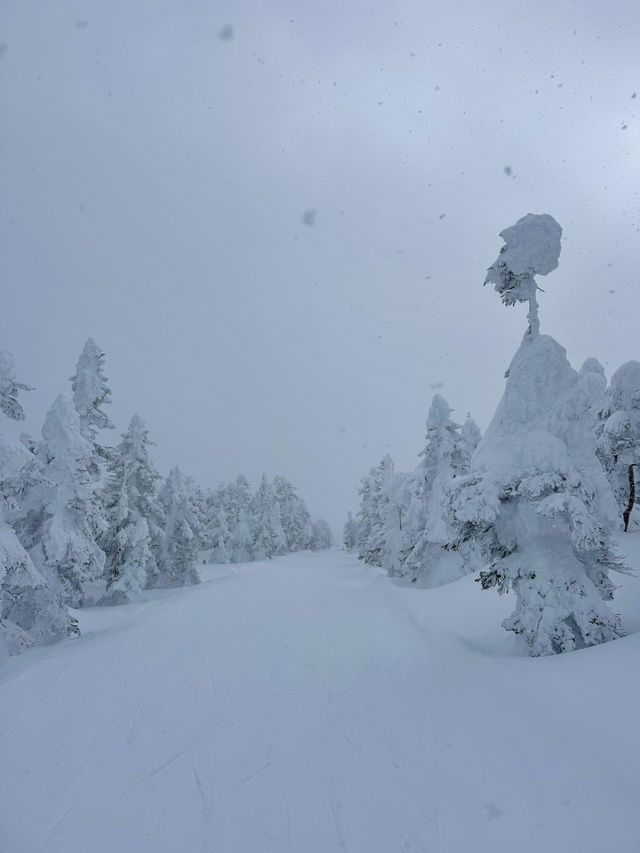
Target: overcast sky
(276,217)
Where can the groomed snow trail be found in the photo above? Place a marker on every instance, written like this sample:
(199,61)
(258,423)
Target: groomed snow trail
(308,705)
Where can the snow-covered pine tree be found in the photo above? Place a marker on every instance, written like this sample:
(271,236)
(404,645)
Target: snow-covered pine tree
(90,394)
(31,611)
(427,531)
(593,388)
(398,492)
(322,538)
(90,391)
(350,533)
(375,505)
(239,519)
(176,566)
(533,501)
(217,533)
(471,436)
(198,502)
(134,538)
(268,538)
(619,444)
(60,507)
(294,515)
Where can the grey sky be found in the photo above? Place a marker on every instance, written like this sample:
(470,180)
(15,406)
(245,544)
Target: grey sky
(157,163)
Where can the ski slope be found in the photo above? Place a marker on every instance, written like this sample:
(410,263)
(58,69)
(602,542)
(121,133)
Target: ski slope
(307,705)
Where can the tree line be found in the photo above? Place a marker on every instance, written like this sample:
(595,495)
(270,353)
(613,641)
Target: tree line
(82,522)
(531,506)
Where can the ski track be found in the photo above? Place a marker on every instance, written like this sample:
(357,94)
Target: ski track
(309,704)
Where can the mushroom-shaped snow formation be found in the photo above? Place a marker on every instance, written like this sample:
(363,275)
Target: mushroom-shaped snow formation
(532,247)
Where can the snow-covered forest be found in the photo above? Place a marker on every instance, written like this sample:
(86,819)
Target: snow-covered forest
(319,427)
(532,505)
(85,522)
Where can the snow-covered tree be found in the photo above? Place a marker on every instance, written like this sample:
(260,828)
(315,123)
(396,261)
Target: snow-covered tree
(90,394)
(421,551)
(534,500)
(134,539)
(90,391)
(294,515)
(619,443)
(322,537)
(372,517)
(350,533)
(397,494)
(58,529)
(31,610)
(239,519)
(176,566)
(9,388)
(217,533)
(471,436)
(268,536)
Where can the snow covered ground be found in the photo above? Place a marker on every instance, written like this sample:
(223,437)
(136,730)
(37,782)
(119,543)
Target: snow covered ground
(309,704)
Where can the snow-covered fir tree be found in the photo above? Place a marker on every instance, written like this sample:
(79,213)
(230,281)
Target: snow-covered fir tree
(350,533)
(239,520)
(534,500)
(422,553)
(176,564)
(58,510)
(322,537)
(217,533)
(91,394)
(134,539)
(268,537)
(294,515)
(471,436)
(619,442)
(373,513)
(90,391)
(31,610)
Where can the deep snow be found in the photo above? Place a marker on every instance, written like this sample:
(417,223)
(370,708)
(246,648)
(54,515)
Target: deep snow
(309,704)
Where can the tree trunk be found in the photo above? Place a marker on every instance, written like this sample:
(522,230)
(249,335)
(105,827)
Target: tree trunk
(632,498)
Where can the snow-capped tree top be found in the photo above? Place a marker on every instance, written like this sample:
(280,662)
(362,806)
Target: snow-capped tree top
(532,247)
(137,437)
(471,434)
(61,431)
(625,386)
(9,388)
(535,401)
(439,413)
(90,390)
(593,388)
(591,365)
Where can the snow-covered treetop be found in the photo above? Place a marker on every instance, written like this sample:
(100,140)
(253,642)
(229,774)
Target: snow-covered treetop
(90,390)
(625,386)
(61,431)
(591,365)
(439,413)
(532,247)
(9,388)
(532,409)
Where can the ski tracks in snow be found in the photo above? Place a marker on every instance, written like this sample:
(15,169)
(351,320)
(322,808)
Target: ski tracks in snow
(295,705)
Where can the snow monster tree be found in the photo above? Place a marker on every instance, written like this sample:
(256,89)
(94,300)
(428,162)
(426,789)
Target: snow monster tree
(536,506)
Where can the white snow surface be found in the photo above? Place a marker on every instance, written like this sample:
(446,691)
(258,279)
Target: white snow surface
(310,704)
(532,244)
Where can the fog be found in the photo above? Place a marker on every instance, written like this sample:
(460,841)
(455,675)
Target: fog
(276,218)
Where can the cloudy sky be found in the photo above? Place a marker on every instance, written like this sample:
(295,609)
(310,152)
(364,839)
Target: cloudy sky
(276,217)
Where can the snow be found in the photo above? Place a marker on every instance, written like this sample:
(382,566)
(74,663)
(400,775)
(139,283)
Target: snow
(532,245)
(311,704)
